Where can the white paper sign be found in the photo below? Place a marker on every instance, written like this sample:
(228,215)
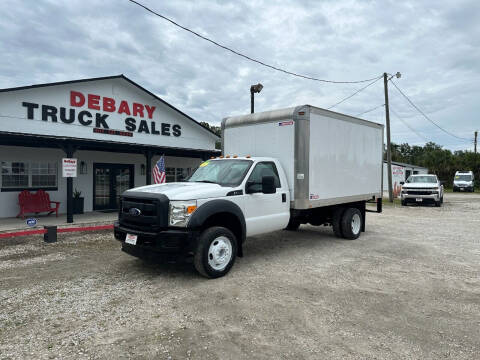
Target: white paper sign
(69,168)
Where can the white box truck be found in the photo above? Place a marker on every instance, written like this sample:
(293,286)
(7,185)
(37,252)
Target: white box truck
(279,169)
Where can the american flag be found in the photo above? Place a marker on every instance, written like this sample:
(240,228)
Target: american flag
(159,171)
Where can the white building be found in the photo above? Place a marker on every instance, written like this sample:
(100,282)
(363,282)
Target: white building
(400,173)
(116,129)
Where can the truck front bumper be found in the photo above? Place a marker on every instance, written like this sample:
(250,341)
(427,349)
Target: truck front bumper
(165,244)
(419,199)
(462,188)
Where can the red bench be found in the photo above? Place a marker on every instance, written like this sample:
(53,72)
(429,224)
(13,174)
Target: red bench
(36,203)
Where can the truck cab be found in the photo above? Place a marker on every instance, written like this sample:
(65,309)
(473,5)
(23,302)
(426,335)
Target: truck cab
(209,216)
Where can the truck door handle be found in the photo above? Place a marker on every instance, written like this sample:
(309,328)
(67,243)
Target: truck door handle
(284,198)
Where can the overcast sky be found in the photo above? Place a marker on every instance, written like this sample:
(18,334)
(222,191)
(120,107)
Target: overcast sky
(434,44)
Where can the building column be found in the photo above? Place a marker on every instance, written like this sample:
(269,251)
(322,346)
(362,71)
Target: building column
(148,167)
(69,151)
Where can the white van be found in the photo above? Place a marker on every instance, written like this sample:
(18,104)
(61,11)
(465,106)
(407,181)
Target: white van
(464,181)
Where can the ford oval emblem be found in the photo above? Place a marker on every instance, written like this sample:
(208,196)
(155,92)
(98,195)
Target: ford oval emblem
(134,212)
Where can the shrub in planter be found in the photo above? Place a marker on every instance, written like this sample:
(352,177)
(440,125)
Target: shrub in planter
(78,201)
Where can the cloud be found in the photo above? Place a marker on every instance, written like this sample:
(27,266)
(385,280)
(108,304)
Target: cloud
(434,44)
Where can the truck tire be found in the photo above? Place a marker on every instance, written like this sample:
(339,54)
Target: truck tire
(438,203)
(404,203)
(293,225)
(337,221)
(351,223)
(216,252)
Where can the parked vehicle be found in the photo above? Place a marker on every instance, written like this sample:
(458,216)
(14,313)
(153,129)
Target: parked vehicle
(304,165)
(422,189)
(464,181)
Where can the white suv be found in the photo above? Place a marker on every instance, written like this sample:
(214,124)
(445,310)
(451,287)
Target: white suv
(464,181)
(422,189)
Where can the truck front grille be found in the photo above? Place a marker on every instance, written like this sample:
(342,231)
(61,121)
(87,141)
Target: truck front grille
(145,214)
(419,192)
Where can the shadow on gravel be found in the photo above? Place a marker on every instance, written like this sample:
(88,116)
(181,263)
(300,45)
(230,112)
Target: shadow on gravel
(280,243)
(285,242)
(156,268)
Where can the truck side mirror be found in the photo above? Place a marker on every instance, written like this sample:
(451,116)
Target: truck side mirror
(268,185)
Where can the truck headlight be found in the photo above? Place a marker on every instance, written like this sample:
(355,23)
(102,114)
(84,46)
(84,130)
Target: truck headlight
(180,212)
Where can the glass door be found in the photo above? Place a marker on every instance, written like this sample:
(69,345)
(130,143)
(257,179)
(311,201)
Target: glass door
(102,188)
(123,177)
(109,182)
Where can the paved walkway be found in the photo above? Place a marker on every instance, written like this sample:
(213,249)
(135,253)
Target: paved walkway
(94,217)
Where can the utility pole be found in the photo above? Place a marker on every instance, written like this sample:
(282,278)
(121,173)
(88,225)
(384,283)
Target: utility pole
(475,142)
(389,150)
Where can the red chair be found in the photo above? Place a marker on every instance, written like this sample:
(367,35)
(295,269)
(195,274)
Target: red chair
(36,203)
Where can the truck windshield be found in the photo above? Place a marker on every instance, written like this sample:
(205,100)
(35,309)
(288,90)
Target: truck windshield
(422,179)
(463,177)
(221,172)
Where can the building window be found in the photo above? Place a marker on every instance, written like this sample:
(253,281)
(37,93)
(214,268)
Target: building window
(182,174)
(24,175)
(170,174)
(177,174)
(44,174)
(14,174)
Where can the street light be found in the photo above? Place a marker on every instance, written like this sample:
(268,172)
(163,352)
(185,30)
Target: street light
(254,89)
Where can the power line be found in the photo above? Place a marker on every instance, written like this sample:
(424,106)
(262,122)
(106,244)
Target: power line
(245,56)
(370,110)
(407,125)
(425,116)
(355,93)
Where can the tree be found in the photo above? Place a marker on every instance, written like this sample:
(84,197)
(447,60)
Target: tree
(439,161)
(217,130)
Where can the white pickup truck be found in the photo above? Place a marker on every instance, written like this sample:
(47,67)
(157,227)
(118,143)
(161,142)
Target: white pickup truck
(422,189)
(280,169)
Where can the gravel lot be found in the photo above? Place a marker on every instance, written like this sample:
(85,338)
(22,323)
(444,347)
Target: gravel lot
(408,288)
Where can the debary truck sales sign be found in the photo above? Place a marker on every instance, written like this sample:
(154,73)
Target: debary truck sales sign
(112,110)
(98,110)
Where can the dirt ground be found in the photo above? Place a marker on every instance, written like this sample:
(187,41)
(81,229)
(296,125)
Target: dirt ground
(408,288)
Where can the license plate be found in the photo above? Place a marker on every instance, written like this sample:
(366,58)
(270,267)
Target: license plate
(461,189)
(418,199)
(131,239)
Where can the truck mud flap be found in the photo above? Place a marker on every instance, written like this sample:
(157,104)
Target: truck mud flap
(379,206)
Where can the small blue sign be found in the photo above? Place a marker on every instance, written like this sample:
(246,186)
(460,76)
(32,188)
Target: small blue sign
(31,222)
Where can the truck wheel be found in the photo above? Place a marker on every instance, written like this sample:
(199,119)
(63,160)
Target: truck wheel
(403,202)
(438,203)
(293,225)
(337,221)
(351,223)
(216,252)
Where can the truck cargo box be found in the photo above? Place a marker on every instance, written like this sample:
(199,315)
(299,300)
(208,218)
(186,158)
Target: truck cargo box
(329,158)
